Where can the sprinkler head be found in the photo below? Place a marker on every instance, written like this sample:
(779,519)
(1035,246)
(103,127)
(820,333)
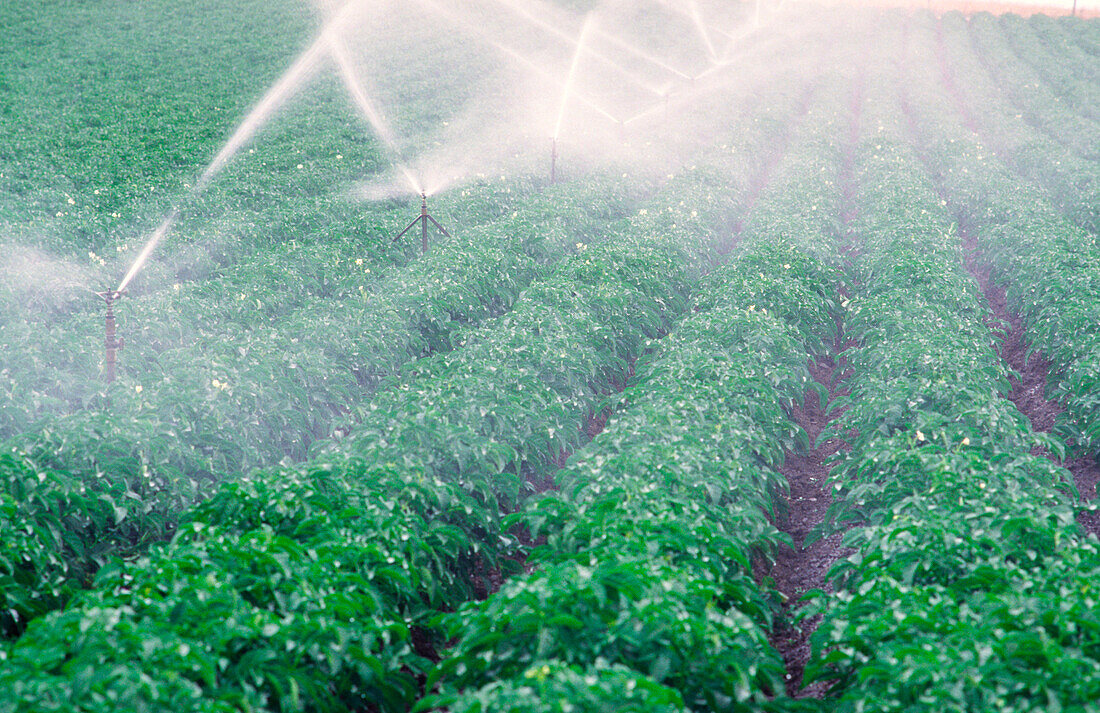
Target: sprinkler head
(110,296)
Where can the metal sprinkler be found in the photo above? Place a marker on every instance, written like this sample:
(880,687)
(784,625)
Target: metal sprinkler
(112,342)
(424,218)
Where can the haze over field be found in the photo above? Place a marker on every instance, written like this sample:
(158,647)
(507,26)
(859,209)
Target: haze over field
(661,356)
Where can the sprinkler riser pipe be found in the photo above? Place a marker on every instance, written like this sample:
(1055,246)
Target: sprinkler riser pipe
(112,343)
(424,223)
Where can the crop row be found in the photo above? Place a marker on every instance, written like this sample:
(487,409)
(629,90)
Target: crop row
(145,490)
(970,587)
(1049,266)
(1062,70)
(1060,41)
(1028,91)
(1063,35)
(164,441)
(1072,181)
(644,588)
(313,586)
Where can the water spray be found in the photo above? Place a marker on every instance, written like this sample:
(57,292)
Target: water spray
(514,54)
(111,342)
(549,27)
(277,95)
(554,160)
(567,90)
(424,218)
(701,26)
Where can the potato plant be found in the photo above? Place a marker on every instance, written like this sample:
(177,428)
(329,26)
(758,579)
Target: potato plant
(683,476)
(948,508)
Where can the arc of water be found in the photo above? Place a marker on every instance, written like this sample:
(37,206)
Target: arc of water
(374,117)
(652,59)
(514,54)
(692,13)
(150,245)
(275,96)
(572,72)
(564,35)
(697,18)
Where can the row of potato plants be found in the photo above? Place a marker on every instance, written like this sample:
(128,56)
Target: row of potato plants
(221,375)
(1059,40)
(121,154)
(644,586)
(1049,266)
(301,308)
(142,501)
(1081,32)
(1072,181)
(970,585)
(143,452)
(1061,68)
(97,165)
(312,587)
(1028,90)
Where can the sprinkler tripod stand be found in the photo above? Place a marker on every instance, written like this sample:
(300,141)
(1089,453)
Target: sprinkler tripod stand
(424,218)
(112,342)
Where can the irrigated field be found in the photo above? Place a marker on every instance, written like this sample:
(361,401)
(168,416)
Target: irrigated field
(757,369)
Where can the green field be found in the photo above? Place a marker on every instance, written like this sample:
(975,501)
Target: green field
(784,395)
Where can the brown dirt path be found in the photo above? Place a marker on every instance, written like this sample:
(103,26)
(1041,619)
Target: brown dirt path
(1028,389)
(804,568)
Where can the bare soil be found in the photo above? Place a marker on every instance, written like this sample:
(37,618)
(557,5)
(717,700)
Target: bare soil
(804,568)
(1028,388)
